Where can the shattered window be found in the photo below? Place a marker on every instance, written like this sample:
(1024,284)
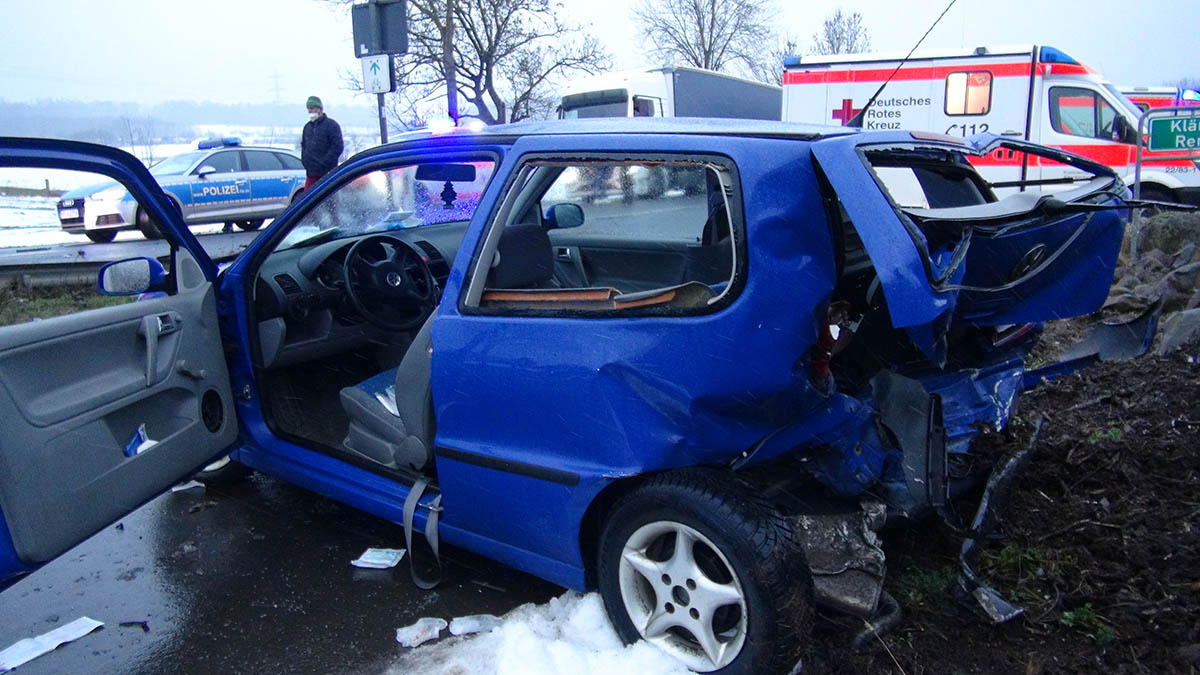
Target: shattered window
(969,93)
(605,236)
(398,199)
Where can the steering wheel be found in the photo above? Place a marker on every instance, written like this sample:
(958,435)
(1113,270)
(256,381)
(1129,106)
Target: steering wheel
(389,282)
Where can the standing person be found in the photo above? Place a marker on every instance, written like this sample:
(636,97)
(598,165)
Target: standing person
(320,143)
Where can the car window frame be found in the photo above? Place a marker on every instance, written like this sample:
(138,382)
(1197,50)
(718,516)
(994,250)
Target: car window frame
(239,168)
(516,189)
(246,154)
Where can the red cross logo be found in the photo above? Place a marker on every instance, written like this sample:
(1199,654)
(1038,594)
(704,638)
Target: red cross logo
(846,112)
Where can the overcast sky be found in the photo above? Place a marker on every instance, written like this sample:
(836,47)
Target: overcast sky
(255,51)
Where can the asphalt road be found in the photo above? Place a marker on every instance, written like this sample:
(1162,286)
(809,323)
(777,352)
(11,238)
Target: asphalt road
(254,577)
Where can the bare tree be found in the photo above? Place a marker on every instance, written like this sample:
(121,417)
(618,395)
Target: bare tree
(841,34)
(507,56)
(712,34)
(769,67)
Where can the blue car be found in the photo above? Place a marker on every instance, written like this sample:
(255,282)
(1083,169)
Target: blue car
(219,182)
(702,402)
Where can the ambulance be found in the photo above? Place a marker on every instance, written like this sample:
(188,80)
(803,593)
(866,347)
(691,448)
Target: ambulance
(1031,92)
(1160,97)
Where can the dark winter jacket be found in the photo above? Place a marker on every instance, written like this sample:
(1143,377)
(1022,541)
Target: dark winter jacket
(320,146)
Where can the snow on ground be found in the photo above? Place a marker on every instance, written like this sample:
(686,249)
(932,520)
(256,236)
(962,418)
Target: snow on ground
(569,634)
(33,221)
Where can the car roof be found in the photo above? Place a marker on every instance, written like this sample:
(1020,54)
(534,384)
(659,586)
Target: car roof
(703,126)
(247,147)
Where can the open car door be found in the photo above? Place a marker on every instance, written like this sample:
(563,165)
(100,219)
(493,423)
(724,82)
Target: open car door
(103,409)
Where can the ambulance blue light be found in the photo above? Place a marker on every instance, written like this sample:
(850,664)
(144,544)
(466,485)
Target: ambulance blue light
(1052,55)
(225,142)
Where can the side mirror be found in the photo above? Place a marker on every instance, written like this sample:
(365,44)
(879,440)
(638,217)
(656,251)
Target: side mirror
(562,216)
(1123,132)
(131,276)
(205,170)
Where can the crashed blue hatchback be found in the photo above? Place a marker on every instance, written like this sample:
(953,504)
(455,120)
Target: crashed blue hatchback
(693,364)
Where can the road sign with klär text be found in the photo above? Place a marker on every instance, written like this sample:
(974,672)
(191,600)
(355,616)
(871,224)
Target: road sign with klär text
(1175,133)
(378,76)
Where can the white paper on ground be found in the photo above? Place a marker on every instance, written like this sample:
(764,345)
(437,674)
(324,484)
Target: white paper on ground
(379,558)
(26,650)
(422,631)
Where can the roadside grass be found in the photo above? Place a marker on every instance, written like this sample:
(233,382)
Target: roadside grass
(925,587)
(18,305)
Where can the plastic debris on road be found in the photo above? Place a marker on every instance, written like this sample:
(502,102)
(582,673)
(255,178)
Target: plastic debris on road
(422,631)
(29,649)
(188,486)
(379,558)
(476,623)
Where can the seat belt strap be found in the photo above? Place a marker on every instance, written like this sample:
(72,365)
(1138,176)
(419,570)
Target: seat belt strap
(431,533)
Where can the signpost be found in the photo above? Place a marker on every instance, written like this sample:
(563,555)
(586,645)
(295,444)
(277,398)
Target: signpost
(380,30)
(1174,133)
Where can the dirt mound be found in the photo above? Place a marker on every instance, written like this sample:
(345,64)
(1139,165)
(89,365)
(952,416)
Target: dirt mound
(1102,546)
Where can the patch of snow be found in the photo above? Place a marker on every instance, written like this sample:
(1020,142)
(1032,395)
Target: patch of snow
(422,631)
(569,634)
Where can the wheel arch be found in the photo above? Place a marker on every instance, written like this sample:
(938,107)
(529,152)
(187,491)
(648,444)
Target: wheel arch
(594,516)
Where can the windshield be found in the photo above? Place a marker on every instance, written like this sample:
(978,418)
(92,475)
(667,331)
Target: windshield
(175,166)
(395,199)
(1123,102)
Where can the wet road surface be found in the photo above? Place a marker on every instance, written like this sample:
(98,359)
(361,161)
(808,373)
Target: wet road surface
(254,577)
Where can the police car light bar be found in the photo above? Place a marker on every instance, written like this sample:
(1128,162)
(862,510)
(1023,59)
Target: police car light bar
(210,143)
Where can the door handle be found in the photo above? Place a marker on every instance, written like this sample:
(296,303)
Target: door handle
(154,326)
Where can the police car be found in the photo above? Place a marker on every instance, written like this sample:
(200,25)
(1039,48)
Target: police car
(219,182)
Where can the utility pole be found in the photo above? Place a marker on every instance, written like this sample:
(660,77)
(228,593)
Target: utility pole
(448,63)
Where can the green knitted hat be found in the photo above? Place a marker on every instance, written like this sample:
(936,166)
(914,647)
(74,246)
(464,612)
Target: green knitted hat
(314,102)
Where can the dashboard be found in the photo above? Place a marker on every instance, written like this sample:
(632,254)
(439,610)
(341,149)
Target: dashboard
(301,304)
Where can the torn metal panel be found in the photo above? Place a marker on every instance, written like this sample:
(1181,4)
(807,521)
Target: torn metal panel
(995,493)
(845,557)
(1104,342)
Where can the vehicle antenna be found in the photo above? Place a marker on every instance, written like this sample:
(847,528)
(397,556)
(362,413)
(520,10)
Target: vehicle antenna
(857,120)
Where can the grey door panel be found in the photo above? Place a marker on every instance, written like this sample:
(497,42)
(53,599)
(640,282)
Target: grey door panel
(74,390)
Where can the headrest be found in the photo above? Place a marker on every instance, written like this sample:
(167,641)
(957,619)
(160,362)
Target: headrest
(525,257)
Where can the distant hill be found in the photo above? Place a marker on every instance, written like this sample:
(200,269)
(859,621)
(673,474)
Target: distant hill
(124,123)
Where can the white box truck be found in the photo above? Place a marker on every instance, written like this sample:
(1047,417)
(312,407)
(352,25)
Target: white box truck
(1036,93)
(675,91)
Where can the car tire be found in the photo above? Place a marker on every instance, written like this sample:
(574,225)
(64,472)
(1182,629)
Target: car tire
(296,197)
(249,225)
(224,471)
(101,236)
(146,225)
(746,586)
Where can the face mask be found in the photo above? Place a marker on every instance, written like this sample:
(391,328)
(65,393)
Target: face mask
(313,116)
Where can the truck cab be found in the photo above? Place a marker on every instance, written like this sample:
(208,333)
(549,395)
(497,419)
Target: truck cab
(676,91)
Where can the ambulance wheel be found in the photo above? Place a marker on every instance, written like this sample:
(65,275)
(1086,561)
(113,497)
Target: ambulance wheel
(1155,194)
(101,236)
(708,572)
(249,225)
